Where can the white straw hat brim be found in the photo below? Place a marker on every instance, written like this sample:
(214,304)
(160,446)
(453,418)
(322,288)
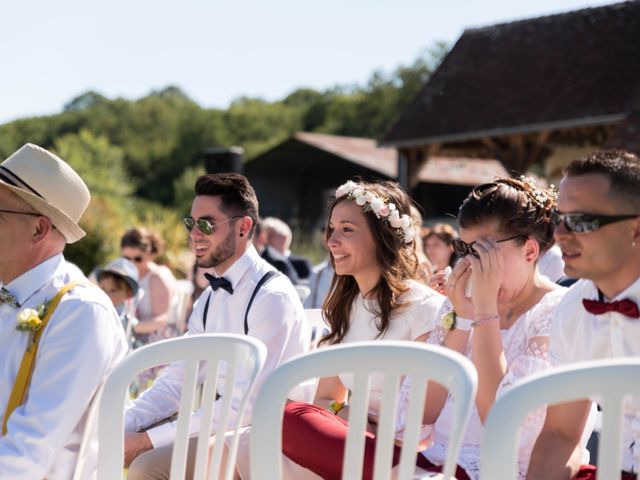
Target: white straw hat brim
(49,185)
(65,225)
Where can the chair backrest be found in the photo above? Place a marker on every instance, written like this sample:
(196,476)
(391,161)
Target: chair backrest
(179,304)
(240,354)
(608,381)
(303,292)
(317,326)
(394,359)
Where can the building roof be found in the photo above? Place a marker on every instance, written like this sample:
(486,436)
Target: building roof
(573,69)
(362,151)
(290,155)
(461,171)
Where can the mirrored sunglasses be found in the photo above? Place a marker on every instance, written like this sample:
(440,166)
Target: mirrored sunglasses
(462,248)
(585,222)
(205,226)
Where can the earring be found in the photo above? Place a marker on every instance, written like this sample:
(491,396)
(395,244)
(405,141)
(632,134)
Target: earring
(241,234)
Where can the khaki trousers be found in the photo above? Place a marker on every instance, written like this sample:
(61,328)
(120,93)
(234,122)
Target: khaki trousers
(156,464)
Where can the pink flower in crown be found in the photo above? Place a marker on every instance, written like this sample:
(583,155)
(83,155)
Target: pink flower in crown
(369,197)
(384,211)
(376,205)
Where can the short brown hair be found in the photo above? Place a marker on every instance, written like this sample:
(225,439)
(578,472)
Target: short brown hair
(237,196)
(622,168)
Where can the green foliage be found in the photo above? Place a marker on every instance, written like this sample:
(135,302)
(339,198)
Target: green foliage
(140,157)
(99,163)
(183,188)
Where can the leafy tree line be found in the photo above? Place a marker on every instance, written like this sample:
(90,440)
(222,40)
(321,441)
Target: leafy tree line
(140,157)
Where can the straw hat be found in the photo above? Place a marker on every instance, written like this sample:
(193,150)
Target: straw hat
(125,270)
(49,185)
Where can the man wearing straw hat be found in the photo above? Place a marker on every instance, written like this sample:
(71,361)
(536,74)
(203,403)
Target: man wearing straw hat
(59,337)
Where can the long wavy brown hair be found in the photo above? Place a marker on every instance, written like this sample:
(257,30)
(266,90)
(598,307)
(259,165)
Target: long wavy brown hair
(397,260)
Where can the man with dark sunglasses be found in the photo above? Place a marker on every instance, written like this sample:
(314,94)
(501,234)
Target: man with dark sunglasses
(246,296)
(598,229)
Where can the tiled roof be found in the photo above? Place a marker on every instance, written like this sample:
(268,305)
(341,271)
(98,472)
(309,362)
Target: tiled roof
(461,171)
(571,69)
(363,151)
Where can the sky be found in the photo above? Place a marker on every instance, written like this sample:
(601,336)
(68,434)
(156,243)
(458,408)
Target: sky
(217,51)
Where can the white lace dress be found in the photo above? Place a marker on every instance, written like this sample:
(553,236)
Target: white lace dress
(525,346)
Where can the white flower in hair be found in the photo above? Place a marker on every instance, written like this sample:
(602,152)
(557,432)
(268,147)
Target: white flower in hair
(409,235)
(394,219)
(380,208)
(376,205)
(345,189)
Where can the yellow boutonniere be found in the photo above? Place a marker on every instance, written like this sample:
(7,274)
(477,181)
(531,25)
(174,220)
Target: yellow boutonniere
(30,319)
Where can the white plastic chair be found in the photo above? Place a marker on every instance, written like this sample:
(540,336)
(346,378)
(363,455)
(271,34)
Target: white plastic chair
(303,292)
(179,304)
(317,325)
(239,353)
(393,358)
(608,381)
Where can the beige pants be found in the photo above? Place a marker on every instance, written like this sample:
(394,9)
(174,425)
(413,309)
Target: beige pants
(156,464)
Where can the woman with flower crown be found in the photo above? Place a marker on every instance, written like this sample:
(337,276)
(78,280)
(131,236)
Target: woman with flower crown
(374,295)
(498,312)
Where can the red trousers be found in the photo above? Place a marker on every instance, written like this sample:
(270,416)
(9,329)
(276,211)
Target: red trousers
(588,472)
(314,438)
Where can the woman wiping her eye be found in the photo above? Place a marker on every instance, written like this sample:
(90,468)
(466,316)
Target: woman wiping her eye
(498,311)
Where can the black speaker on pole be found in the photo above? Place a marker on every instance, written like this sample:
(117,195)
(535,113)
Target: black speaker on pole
(221,160)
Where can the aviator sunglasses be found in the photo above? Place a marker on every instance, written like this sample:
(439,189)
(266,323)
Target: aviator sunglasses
(205,226)
(462,248)
(585,222)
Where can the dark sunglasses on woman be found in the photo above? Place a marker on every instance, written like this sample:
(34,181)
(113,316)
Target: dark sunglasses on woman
(462,248)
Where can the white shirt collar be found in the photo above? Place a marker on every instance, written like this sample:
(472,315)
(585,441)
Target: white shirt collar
(32,280)
(240,266)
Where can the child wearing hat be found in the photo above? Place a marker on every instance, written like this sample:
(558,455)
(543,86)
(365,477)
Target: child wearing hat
(119,280)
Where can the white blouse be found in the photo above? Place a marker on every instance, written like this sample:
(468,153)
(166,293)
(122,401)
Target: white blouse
(525,346)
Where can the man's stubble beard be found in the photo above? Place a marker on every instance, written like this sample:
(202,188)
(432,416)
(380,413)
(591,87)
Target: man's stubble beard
(222,253)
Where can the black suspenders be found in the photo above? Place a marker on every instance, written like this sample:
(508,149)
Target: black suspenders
(265,278)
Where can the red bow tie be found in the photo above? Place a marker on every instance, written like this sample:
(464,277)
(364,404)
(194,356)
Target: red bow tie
(625,307)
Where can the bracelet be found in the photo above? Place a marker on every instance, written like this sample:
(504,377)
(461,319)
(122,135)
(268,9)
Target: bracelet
(334,407)
(481,319)
(451,321)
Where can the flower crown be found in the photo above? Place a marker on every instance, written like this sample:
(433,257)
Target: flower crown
(381,208)
(538,195)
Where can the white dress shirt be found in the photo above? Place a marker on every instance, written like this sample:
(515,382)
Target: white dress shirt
(276,318)
(577,335)
(78,348)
